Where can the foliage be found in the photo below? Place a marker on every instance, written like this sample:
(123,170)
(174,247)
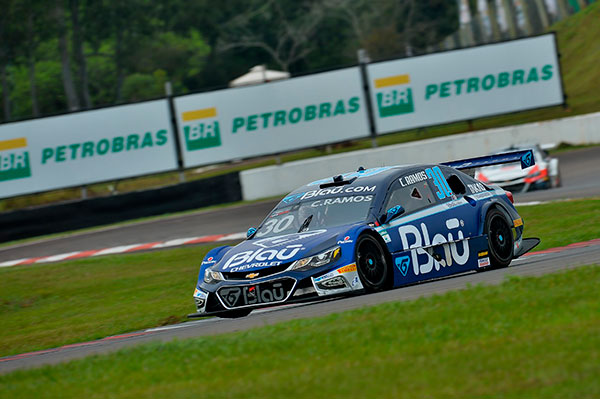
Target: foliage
(112,51)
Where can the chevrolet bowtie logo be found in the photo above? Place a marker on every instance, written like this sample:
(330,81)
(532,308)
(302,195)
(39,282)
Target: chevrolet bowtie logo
(251,275)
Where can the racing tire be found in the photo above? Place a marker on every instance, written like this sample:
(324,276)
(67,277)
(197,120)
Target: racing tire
(500,239)
(372,264)
(234,314)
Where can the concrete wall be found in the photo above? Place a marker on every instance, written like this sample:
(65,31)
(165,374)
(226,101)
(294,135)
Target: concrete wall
(281,179)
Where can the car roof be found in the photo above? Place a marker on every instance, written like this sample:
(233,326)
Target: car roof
(374,176)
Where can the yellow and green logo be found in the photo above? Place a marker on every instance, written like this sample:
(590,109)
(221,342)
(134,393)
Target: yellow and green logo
(204,132)
(14,159)
(396,97)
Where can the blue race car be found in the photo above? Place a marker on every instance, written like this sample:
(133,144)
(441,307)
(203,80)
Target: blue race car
(367,231)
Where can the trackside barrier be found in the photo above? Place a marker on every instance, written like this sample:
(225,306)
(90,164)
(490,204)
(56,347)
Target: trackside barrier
(278,180)
(116,208)
(322,108)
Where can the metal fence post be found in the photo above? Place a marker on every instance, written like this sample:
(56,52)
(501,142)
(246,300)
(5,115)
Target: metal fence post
(363,60)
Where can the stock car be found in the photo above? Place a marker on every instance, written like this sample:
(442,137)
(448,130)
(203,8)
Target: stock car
(367,231)
(544,174)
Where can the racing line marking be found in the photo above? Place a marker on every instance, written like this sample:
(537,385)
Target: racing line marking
(125,249)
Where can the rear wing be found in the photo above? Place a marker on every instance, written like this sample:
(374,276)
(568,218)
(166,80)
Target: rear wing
(523,156)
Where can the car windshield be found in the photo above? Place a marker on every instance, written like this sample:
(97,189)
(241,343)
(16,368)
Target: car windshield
(315,214)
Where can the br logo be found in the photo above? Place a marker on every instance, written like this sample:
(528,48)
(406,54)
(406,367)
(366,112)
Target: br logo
(396,97)
(14,159)
(204,131)
(403,263)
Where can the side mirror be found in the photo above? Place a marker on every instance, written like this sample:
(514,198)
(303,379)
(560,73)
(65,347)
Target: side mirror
(250,232)
(391,213)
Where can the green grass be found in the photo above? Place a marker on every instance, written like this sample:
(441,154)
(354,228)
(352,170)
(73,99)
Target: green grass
(44,306)
(578,44)
(526,338)
(562,223)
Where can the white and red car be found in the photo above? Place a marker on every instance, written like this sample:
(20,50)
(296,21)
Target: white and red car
(544,174)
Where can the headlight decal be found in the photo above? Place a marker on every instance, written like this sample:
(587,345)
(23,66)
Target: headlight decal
(324,258)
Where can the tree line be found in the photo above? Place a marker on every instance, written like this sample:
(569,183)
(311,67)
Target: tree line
(67,55)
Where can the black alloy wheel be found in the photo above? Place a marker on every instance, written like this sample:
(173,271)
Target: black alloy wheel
(372,264)
(500,239)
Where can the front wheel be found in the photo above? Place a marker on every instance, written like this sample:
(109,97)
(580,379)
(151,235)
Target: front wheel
(371,263)
(500,239)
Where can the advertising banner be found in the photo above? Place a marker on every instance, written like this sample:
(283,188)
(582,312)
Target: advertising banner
(465,84)
(85,147)
(266,119)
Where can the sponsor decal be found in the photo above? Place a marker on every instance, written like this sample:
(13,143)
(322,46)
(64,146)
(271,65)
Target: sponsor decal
(476,188)
(338,190)
(527,160)
(403,264)
(341,200)
(413,178)
(14,159)
(386,237)
(254,265)
(347,269)
(293,116)
(354,281)
(264,256)
(482,254)
(256,294)
(201,129)
(483,262)
(394,96)
(346,240)
(475,84)
(114,145)
(414,239)
(291,198)
(326,276)
(518,222)
(252,275)
(209,261)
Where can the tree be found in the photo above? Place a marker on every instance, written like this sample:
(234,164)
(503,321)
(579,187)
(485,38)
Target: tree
(67,76)
(78,36)
(283,30)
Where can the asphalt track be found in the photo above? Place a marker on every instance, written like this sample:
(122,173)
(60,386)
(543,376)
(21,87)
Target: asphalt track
(536,264)
(579,169)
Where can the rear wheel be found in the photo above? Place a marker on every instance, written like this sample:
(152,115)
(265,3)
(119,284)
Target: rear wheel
(500,239)
(372,265)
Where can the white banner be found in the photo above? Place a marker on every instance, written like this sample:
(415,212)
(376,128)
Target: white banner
(465,84)
(270,118)
(85,147)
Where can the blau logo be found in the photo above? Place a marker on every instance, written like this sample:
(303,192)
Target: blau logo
(403,263)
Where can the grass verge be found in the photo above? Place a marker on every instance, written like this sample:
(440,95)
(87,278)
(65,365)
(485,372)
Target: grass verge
(44,306)
(526,338)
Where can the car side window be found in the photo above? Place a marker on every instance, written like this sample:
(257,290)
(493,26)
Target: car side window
(411,198)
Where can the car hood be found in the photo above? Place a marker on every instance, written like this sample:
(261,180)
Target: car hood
(261,253)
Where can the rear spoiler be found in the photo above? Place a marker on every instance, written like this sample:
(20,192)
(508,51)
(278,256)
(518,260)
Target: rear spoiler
(523,156)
